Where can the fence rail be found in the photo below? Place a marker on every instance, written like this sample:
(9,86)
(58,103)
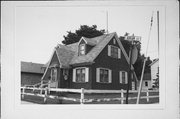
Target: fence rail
(82,92)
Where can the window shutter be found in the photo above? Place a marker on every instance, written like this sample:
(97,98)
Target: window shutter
(86,74)
(97,75)
(74,75)
(119,53)
(126,77)
(120,77)
(109,50)
(110,76)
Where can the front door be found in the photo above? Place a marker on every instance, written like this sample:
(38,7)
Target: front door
(54,81)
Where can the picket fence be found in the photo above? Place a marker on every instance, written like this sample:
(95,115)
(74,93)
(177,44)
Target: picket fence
(82,92)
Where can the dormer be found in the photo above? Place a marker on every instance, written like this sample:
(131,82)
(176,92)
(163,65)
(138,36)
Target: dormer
(85,45)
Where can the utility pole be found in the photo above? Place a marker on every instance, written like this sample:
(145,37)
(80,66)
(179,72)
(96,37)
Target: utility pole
(158,30)
(107,22)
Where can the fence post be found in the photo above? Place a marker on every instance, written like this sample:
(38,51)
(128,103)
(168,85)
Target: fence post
(147,94)
(45,95)
(122,96)
(23,91)
(82,96)
(41,91)
(49,82)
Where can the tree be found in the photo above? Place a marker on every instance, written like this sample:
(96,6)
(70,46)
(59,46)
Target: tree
(156,81)
(140,60)
(84,30)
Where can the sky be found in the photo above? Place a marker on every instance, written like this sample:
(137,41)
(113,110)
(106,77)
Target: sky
(39,29)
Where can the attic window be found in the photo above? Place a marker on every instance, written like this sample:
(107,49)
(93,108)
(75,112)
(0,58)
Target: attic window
(114,41)
(82,49)
(114,51)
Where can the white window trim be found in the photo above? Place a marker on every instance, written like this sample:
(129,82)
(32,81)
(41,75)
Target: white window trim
(98,75)
(86,74)
(80,49)
(109,51)
(120,77)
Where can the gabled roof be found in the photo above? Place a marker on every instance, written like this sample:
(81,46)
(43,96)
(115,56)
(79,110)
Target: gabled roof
(68,54)
(30,67)
(89,41)
(101,42)
(65,55)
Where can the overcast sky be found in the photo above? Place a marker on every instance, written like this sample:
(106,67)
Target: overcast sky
(39,29)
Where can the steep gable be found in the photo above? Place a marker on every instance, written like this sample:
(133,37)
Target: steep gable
(90,56)
(68,54)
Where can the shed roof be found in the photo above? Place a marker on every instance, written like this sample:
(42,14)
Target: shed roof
(154,61)
(30,67)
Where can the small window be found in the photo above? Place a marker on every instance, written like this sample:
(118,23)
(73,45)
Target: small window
(53,74)
(146,83)
(123,77)
(80,75)
(103,75)
(114,51)
(114,41)
(82,49)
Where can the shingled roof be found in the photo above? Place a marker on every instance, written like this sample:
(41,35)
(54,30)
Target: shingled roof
(30,67)
(68,54)
(101,42)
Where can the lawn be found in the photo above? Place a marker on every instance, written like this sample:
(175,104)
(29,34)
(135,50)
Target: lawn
(91,99)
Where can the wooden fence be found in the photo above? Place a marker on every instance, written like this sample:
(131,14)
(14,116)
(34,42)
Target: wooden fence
(82,92)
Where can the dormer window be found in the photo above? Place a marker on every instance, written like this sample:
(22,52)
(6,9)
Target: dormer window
(82,49)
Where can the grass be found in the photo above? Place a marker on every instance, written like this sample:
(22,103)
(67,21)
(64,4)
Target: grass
(96,97)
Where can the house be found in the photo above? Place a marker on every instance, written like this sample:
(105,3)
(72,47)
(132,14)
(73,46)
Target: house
(146,82)
(31,73)
(91,63)
(154,70)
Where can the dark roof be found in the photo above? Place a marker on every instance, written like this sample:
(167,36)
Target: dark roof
(147,76)
(68,54)
(31,67)
(65,55)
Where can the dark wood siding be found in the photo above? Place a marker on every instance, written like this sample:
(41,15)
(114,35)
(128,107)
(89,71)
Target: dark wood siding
(30,78)
(116,65)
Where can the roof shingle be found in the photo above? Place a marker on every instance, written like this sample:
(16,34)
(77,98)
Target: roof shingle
(31,67)
(68,55)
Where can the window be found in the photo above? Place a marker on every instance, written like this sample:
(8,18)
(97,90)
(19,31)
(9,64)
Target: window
(114,51)
(53,74)
(103,75)
(146,83)
(114,41)
(82,49)
(81,75)
(123,77)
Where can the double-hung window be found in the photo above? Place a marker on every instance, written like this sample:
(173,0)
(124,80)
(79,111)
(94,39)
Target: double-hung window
(81,75)
(114,51)
(82,49)
(123,77)
(103,75)
(53,74)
